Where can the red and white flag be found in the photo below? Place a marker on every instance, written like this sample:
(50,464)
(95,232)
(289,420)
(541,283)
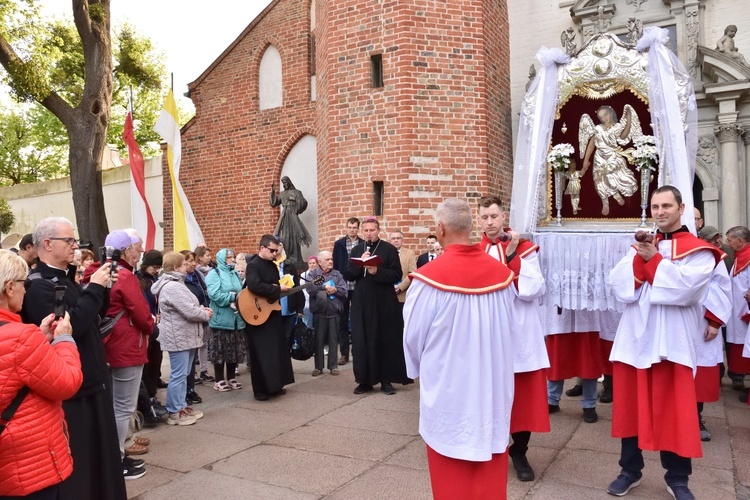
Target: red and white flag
(140,213)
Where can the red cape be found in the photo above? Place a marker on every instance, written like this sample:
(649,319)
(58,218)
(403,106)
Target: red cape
(465,269)
(524,248)
(741,260)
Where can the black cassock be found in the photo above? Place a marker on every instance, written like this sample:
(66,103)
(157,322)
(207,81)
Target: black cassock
(270,362)
(377,324)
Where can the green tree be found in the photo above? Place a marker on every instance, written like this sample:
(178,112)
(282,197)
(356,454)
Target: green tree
(6,216)
(28,154)
(72,73)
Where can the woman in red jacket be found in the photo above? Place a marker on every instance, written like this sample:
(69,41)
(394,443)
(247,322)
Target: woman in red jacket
(126,347)
(34,453)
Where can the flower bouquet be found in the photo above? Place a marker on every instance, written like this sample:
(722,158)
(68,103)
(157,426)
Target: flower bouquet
(645,158)
(645,154)
(559,157)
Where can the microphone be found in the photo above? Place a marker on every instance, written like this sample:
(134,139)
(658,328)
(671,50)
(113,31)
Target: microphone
(368,246)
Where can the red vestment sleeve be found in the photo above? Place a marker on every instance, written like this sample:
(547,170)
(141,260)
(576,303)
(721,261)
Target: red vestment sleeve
(649,268)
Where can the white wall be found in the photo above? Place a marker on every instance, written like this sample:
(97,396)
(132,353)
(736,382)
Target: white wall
(33,202)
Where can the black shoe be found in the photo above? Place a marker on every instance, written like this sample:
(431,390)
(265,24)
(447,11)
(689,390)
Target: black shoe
(742,398)
(362,388)
(132,473)
(260,396)
(157,409)
(192,397)
(133,463)
(523,469)
(388,389)
(553,408)
(738,384)
(705,435)
(589,415)
(198,381)
(161,384)
(605,396)
(206,377)
(278,393)
(576,390)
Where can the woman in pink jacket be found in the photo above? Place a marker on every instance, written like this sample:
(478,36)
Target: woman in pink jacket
(34,453)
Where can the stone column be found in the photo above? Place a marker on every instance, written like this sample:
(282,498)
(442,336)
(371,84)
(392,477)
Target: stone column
(731,210)
(746,169)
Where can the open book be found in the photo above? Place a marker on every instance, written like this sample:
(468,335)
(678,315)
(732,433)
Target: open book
(373,260)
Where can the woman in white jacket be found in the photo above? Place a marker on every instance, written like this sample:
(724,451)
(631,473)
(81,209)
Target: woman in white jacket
(180,333)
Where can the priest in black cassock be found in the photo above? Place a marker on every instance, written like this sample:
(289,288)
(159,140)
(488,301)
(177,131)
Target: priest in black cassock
(377,325)
(270,363)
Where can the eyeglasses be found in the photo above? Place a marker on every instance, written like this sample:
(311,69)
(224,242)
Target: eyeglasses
(69,241)
(272,250)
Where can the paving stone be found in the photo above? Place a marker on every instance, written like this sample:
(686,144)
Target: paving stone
(343,441)
(301,404)
(203,483)
(252,425)
(413,455)
(299,470)
(394,422)
(155,477)
(386,481)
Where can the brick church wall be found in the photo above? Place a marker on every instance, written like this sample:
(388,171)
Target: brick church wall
(439,127)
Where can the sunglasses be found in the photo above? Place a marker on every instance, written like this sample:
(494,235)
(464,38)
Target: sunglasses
(272,250)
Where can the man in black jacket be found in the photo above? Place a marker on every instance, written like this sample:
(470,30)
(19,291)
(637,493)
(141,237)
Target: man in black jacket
(98,472)
(342,250)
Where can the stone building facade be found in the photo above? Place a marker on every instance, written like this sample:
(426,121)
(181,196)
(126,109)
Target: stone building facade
(722,83)
(370,107)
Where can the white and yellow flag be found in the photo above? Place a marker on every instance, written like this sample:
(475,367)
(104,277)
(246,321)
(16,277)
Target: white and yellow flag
(187,233)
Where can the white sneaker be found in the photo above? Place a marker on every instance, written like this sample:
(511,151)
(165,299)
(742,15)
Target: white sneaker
(181,418)
(193,413)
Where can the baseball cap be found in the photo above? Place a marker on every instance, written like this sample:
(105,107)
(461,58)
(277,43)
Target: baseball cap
(119,239)
(708,233)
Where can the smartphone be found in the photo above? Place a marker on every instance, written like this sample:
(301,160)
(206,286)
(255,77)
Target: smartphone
(59,308)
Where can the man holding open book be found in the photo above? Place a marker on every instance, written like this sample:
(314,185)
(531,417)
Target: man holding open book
(376,322)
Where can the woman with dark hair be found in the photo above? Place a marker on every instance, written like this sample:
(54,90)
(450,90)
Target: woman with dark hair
(147,275)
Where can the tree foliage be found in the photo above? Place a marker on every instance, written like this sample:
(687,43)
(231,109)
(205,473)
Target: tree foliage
(72,72)
(6,216)
(29,153)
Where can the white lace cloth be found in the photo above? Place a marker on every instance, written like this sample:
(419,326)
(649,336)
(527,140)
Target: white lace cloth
(576,267)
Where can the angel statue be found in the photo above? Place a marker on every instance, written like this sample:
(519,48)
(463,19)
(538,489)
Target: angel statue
(612,177)
(568,41)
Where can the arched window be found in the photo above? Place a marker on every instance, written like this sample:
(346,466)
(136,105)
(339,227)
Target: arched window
(270,88)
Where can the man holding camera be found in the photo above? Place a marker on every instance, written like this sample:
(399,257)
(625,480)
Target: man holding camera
(91,422)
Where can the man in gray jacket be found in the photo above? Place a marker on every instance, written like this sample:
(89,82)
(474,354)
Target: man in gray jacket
(326,304)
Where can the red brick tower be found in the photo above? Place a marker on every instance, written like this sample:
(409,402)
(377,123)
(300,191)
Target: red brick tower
(439,126)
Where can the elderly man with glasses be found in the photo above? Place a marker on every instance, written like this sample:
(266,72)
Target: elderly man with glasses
(98,471)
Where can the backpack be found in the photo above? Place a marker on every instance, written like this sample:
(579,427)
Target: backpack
(302,341)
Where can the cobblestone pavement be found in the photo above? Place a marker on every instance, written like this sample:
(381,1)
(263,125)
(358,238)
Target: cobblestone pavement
(322,441)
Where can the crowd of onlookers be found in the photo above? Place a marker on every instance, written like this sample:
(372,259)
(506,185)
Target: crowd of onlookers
(84,337)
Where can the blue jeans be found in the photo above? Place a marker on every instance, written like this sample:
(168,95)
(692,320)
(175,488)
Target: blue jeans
(181,361)
(555,387)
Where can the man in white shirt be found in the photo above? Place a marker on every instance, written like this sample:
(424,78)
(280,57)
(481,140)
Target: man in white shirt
(662,284)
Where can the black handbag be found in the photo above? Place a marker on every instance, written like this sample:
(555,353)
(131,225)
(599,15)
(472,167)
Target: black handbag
(302,341)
